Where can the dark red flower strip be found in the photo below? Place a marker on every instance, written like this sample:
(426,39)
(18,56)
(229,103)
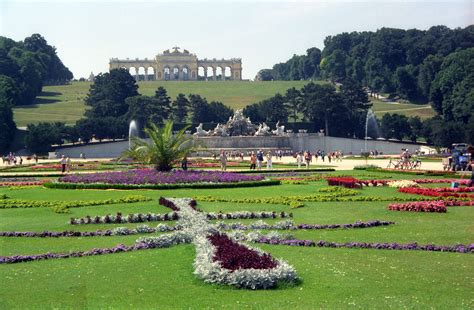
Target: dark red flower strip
(419,206)
(458,248)
(233,256)
(436,192)
(351,182)
(169,204)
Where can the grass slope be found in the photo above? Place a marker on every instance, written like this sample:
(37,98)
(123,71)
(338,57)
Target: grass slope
(65,103)
(331,278)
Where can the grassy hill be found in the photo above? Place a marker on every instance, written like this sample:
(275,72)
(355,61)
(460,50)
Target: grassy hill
(65,103)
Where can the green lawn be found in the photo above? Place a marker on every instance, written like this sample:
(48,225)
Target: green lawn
(423,111)
(65,103)
(163,278)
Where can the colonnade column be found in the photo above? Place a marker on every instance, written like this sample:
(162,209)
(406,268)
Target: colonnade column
(146,74)
(137,76)
(214,71)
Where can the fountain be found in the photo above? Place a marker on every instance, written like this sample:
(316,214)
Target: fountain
(132,132)
(370,121)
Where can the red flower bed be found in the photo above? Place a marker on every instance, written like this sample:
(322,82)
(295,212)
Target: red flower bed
(23,183)
(233,256)
(419,206)
(439,192)
(351,182)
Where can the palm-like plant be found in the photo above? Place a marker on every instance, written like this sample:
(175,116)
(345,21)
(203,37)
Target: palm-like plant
(164,147)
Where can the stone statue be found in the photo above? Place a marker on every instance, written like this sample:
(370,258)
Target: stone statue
(201,132)
(280,130)
(238,125)
(220,131)
(263,130)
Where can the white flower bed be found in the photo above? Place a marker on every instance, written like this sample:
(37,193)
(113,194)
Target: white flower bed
(403,183)
(196,228)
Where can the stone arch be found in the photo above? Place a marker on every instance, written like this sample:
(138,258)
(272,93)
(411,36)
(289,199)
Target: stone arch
(185,73)
(150,73)
(219,73)
(201,74)
(141,73)
(228,73)
(193,75)
(175,73)
(133,71)
(210,73)
(166,73)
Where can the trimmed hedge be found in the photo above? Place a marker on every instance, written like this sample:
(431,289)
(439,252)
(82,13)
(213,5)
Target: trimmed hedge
(59,185)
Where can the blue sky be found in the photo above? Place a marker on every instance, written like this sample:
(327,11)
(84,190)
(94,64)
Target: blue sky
(262,33)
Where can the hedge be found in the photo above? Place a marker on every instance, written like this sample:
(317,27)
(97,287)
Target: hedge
(60,185)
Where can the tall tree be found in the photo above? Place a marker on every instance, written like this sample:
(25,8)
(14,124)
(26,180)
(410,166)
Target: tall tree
(164,101)
(8,99)
(180,108)
(108,93)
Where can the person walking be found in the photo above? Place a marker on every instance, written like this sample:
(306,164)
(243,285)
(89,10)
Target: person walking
(184,163)
(253,161)
(299,159)
(269,160)
(223,159)
(63,163)
(259,159)
(307,158)
(68,164)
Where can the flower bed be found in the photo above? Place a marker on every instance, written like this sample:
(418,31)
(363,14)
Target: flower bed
(122,231)
(430,181)
(289,225)
(23,183)
(458,248)
(351,182)
(402,183)
(120,218)
(419,206)
(141,177)
(440,192)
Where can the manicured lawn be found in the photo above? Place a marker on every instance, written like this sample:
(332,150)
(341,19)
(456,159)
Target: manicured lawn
(422,110)
(163,278)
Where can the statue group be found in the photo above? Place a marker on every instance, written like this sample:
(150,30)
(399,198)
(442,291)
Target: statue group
(239,125)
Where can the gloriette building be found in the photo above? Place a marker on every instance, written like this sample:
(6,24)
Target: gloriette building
(182,66)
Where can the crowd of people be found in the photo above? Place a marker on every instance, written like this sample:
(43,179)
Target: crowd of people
(258,159)
(12,159)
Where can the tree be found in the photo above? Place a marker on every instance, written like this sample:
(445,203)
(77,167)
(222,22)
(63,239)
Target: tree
(164,147)
(405,82)
(40,137)
(452,90)
(293,102)
(199,109)
(108,93)
(180,108)
(8,99)
(416,127)
(220,113)
(395,126)
(321,103)
(144,110)
(164,102)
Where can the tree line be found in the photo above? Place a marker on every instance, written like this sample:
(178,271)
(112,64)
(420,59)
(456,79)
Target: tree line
(435,66)
(25,66)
